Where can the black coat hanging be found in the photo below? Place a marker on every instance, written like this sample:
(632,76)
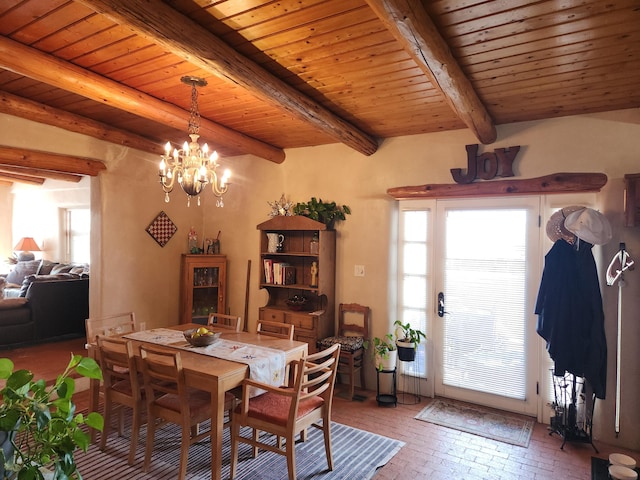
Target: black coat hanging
(570,313)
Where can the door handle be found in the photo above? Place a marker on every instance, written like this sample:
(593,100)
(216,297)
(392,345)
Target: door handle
(441,311)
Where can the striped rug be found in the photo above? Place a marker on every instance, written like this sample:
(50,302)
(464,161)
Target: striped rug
(356,455)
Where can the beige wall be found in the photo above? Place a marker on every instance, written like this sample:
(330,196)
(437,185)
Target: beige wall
(6,230)
(131,272)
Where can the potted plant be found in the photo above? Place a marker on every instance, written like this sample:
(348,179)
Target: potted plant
(384,352)
(325,212)
(407,340)
(41,427)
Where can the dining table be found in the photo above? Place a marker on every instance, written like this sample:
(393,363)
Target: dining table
(211,374)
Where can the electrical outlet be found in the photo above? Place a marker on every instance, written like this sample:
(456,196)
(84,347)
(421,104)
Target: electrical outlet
(358,271)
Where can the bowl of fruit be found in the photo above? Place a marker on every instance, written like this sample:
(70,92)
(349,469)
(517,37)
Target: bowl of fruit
(201,337)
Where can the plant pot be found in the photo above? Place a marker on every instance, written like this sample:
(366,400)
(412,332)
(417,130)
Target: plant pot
(406,351)
(388,363)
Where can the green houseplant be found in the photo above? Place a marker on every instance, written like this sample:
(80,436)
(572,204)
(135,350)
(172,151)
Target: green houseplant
(40,423)
(325,212)
(407,340)
(384,352)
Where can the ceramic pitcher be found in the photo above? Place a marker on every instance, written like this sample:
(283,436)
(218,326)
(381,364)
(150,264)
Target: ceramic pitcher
(275,241)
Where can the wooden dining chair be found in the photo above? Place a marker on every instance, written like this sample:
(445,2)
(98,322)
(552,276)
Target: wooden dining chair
(275,329)
(117,324)
(352,337)
(108,326)
(286,412)
(122,387)
(230,322)
(168,399)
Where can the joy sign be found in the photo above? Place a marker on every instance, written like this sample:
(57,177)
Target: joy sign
(486,166)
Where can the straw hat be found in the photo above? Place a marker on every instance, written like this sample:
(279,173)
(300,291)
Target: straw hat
(556,228)
(589,225)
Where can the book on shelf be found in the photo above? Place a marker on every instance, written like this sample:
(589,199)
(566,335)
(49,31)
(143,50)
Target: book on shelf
(289,275)
(268,270)
(279,273)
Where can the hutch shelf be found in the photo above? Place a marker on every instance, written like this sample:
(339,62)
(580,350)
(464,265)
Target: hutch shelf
(303,266)
(202,287)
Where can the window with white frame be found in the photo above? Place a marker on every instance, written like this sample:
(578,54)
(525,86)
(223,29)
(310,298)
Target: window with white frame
(77,235)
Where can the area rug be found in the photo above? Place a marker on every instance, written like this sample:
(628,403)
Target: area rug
(356,456)
(479,421)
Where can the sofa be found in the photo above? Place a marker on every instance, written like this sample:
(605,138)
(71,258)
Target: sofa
(43,307)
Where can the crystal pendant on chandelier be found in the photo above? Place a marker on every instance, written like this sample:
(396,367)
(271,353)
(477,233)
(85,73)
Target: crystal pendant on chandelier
(192,165)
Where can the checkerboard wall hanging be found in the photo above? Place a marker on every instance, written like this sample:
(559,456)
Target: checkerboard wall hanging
(162,229)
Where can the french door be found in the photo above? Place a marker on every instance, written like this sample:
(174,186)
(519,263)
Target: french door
(487,263)
(470,274)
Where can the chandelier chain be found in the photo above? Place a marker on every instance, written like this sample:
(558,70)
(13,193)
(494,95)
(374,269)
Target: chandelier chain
(194,114)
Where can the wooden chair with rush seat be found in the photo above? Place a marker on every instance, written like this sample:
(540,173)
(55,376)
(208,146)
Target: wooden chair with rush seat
(352,337)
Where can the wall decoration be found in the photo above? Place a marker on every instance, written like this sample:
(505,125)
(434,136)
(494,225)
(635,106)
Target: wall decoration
(162,229)
(282,207)
(487,165)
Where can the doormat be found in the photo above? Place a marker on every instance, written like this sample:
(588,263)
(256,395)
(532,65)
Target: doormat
(478,421)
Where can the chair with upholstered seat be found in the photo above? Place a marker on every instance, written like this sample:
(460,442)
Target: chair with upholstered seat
(229,322)
(352,337)
(275,329)
(286,412)
(170,400)
(108,326)
(122,386)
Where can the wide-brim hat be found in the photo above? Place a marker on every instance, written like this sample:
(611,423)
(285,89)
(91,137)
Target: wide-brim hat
(589,225)
(555,226)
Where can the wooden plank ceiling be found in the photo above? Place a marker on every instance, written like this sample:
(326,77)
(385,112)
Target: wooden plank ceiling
(291,73)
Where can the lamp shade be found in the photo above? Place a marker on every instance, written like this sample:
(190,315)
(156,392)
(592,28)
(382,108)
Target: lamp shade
(26,244)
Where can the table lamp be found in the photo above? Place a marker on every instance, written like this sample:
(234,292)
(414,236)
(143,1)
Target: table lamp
(26,245)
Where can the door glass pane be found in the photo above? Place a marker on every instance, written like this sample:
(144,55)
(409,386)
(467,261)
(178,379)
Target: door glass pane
(485,298)
(414,280)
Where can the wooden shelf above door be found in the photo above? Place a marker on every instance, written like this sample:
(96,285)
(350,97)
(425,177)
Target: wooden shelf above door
(554,183)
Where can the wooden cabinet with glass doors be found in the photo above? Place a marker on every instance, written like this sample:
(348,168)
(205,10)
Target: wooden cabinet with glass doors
(302,267)
(203,280)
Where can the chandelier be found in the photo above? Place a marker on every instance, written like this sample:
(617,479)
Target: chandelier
(192,165)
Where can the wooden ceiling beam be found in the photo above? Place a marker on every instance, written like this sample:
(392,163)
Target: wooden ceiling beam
(5,183)
(36,172)
(410,24)
(21,157)
(161,24)
(46,68)
(10,177)
(21,107)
